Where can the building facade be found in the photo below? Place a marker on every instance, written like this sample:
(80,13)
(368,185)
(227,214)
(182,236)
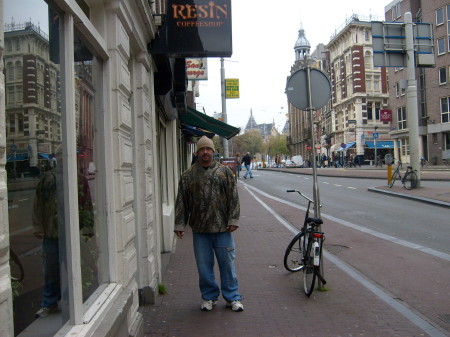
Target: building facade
(359,93)
(432,85)
(86,104)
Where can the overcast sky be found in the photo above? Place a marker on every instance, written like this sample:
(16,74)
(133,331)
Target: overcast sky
(264,35)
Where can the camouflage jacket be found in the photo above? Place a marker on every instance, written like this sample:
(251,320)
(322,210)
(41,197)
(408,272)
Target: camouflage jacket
(45,210)
(207,200)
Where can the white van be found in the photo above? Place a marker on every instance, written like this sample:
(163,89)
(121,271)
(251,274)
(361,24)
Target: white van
(298,160)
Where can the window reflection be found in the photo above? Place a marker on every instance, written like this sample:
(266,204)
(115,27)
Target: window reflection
(33,136)
(34,166)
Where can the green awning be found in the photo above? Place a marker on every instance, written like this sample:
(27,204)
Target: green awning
(200,120)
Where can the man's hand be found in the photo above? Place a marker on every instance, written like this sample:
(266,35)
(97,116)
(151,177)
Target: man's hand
(232,228)
(179,234)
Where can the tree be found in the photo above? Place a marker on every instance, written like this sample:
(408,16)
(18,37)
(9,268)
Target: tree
(251,141)
(276,144)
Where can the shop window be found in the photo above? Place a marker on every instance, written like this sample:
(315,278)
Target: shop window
(39,226)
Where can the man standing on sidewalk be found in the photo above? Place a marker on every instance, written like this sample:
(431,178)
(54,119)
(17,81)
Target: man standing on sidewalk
(247,161)
(208,201)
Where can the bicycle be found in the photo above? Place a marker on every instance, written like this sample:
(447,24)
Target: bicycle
(423,162)
(409,179)
(446,162)
(304,252)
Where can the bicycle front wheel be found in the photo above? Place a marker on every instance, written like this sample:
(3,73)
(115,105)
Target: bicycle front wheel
(394,177)
(410,180)
(293,257)
(309,270)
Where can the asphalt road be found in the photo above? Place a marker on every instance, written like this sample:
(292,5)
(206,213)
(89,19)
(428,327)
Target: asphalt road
(349,200)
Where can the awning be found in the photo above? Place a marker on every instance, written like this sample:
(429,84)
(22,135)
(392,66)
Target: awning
(382,144)
(19,157)
(44,155)
(193,131)
(202,121)
(347,146)
(334,147)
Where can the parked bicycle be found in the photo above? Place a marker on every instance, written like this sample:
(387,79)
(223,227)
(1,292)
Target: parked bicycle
(409,179)
(423,162)
(304,252)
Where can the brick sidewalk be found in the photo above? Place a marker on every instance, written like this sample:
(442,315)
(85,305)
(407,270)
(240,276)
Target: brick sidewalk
(275,304)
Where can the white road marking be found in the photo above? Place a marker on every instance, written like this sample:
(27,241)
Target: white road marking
(357,276)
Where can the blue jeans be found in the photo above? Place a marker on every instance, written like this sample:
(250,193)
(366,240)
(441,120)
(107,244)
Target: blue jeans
(51,293)
(222,245)
(249,171)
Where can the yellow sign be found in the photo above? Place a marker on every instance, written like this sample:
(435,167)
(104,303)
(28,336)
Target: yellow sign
(231,88)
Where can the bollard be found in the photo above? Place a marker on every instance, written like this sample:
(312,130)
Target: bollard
(389,159)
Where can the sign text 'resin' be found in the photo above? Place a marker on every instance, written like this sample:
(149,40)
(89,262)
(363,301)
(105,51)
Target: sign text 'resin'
(209,11)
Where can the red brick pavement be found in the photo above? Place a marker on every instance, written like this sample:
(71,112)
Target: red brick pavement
(275,304)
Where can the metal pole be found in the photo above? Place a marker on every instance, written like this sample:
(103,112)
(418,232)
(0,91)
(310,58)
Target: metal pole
(411,98)
(226,153)
(311,118)
(316,196)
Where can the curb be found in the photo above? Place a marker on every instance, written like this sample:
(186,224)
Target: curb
(348,175)
(413,197)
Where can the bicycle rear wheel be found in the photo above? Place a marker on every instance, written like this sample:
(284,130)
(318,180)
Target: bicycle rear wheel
(309,270)
(293,257)
(410,180)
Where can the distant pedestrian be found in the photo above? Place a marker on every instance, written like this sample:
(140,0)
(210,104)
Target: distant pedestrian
(208,202)
(238,164)
(247,161)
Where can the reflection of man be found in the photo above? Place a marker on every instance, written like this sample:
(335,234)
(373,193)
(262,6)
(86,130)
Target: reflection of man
(45,225)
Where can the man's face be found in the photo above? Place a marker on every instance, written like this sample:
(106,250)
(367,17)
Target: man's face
(205,156)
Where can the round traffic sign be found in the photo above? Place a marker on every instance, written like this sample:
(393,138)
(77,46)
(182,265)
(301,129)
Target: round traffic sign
(297,89)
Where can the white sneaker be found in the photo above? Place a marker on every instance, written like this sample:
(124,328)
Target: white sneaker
(235,306)
(44,311)
(208,305)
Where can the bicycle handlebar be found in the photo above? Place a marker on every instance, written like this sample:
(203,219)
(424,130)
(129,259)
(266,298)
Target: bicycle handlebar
(299,192)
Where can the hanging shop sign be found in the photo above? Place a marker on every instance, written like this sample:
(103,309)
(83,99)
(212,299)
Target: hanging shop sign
(386,115)
(199,28)
(197,69)
(231,88)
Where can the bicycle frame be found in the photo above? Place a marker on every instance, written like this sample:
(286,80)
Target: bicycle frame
(309,240)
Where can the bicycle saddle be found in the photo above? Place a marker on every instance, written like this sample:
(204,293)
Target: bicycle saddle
(317,221)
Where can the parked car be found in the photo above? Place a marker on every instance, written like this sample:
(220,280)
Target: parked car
(290,163)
